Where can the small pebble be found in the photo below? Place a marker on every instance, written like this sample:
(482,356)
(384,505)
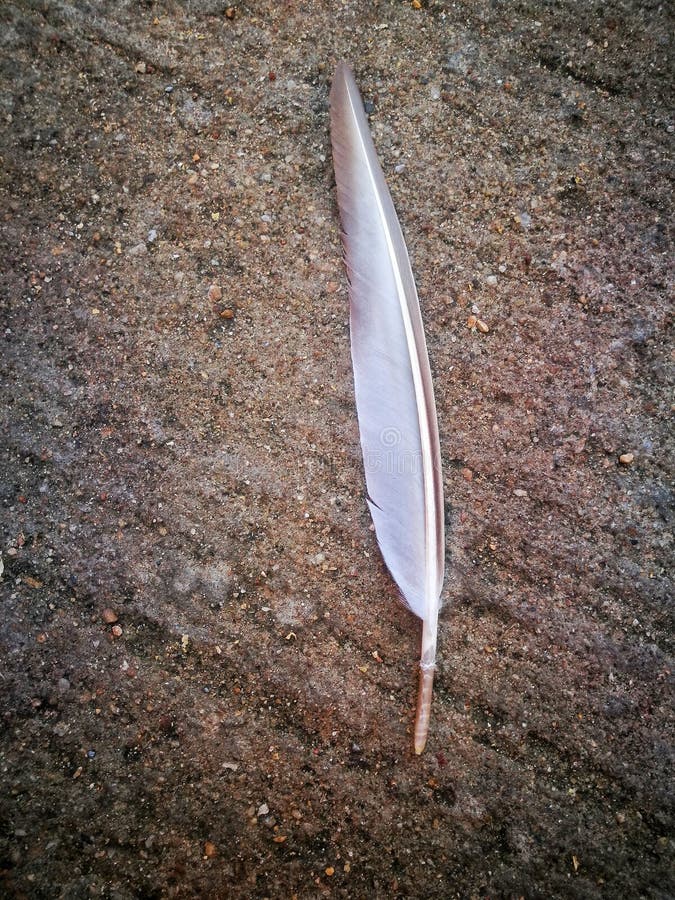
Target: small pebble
(117,630)
(152,235)
(474,323)
(215,293)
(209,849)
(263,809)
(467,474)
(109,616)
(168,89)
(626,458)
(491,280)
(519,492)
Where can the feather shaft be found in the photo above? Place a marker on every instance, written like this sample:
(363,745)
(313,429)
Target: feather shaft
(423,716)
(392,379)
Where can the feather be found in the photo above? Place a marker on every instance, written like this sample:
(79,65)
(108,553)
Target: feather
(392,380)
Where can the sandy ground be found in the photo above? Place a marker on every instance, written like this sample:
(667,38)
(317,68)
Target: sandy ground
(207,683)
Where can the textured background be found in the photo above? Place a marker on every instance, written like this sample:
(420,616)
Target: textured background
(207,684)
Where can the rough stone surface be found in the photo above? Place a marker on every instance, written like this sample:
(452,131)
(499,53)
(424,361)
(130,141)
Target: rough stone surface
(193,463)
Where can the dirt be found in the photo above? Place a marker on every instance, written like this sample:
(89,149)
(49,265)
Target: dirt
(207,684)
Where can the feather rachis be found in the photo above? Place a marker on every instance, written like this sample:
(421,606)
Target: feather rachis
(392,379)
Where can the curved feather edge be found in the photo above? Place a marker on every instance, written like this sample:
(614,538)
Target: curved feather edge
(392,379)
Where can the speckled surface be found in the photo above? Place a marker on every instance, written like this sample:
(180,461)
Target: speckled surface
(207,683)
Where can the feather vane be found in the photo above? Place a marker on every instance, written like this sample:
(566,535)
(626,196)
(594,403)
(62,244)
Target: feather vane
(392,380)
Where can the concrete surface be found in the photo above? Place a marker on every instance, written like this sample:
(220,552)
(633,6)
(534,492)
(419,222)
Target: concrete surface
(207,683)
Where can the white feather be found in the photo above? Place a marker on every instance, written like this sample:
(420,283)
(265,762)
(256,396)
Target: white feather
(392,380)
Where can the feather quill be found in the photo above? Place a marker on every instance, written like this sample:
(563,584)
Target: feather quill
(392,380)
